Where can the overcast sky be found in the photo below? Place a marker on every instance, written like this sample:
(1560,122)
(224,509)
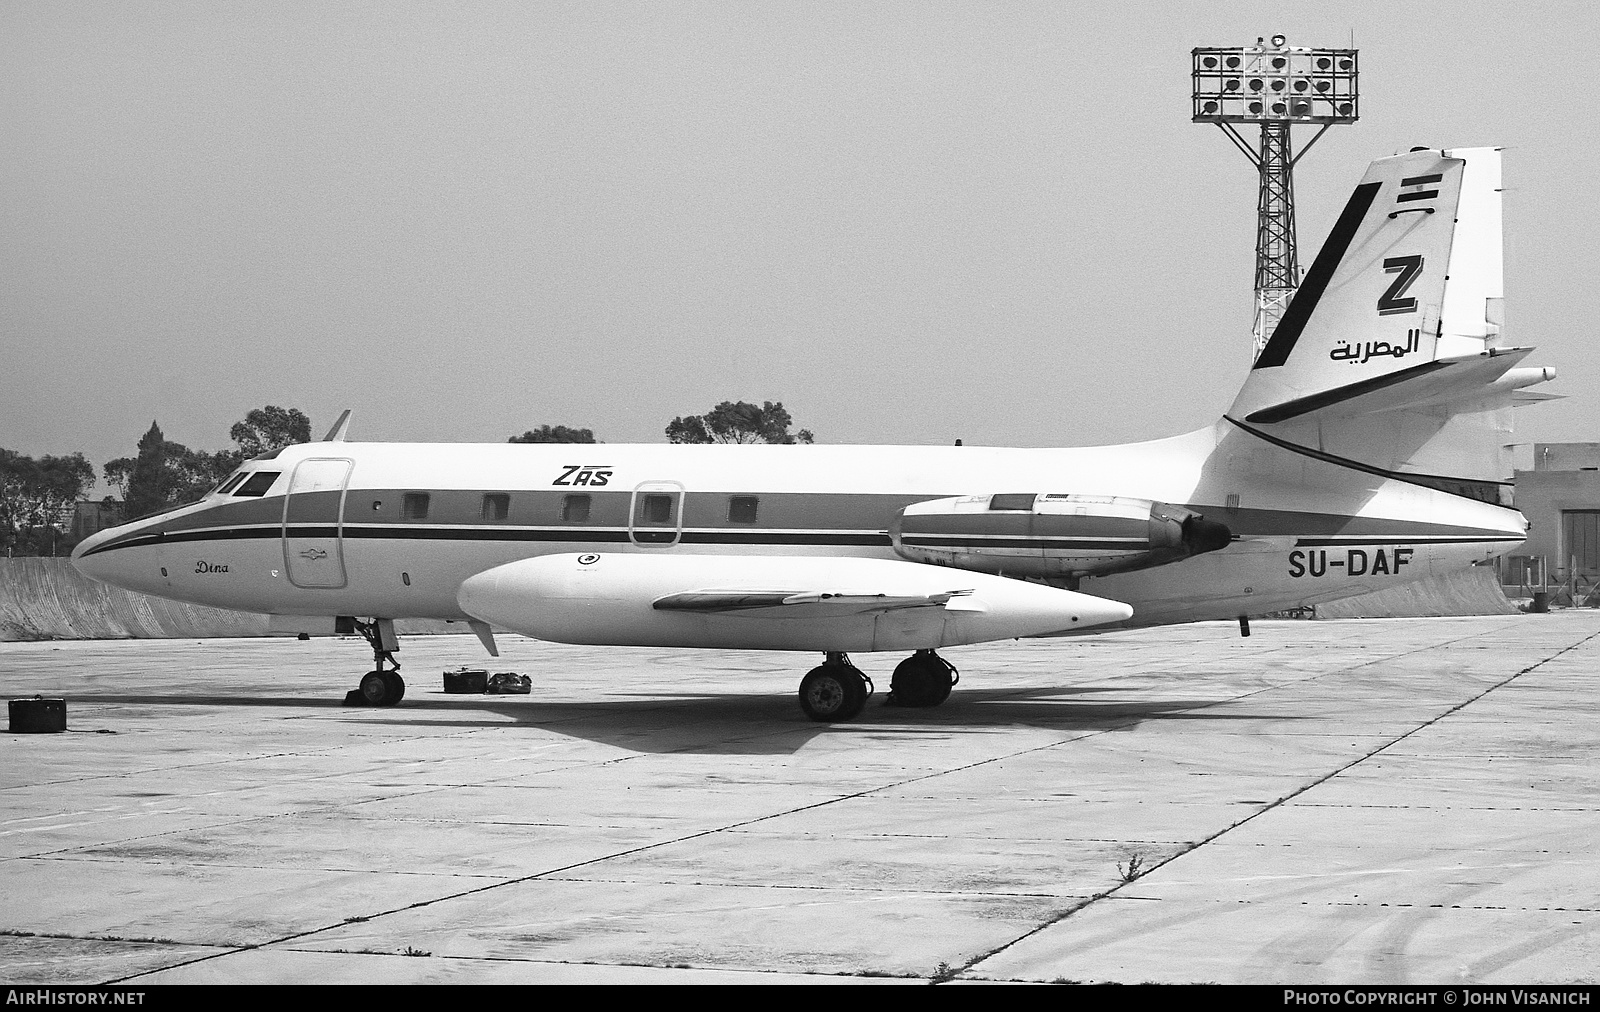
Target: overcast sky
(909,222)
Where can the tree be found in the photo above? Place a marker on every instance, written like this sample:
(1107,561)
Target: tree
(37,498)
(117,473)
(554,434)
(270,428)
(737,423)
(167,474)
(150,483)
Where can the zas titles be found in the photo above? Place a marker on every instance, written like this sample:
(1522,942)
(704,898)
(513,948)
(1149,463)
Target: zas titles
(1355,562)
(593,475)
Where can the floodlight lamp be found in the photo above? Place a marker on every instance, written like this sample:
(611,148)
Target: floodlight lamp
(1322,82)
(1278,41)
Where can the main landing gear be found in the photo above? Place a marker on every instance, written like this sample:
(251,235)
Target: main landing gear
(835,691)
(838,690)
(923,679)
(381,686)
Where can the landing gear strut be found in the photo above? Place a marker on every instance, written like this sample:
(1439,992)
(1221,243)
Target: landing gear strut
(381,686)
(837,690)
(923,679)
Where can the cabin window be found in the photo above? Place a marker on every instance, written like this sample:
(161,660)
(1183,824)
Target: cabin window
(496,506)
(258,484)
(655,508)
(575,509)
(227,486)
(742,509)
(414,506)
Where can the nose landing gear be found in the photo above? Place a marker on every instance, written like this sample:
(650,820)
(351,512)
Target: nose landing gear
(382,686)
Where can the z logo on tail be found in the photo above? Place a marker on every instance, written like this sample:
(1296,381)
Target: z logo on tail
(1391,303)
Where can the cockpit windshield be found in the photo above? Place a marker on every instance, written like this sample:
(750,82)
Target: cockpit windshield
(228,485)
(258,484)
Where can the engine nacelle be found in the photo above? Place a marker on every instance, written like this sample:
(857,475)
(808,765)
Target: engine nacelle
(1052,536)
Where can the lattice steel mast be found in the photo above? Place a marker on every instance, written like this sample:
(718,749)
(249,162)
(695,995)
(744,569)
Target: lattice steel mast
(1275,85)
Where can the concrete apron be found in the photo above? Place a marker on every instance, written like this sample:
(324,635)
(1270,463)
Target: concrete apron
(1347,801)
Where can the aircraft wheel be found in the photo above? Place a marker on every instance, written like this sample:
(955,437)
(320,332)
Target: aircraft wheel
(923,679)
(833,692)
(397,687)
(378,689)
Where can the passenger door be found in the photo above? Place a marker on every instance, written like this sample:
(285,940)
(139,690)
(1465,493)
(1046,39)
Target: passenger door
(313,523)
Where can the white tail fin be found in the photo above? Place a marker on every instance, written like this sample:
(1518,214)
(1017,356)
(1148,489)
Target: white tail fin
(1390,353)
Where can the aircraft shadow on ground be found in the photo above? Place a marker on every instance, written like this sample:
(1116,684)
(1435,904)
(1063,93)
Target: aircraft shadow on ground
(764,723)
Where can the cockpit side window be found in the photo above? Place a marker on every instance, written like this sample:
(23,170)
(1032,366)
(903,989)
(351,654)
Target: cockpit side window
(227,486)
(258,484)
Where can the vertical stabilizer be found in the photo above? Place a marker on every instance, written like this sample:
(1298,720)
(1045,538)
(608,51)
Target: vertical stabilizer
(1391,352)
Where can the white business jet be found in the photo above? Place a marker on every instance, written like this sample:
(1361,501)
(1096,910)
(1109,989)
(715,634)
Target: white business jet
(1367,448)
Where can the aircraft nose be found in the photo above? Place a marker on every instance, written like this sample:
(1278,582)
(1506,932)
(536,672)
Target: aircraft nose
(84,559)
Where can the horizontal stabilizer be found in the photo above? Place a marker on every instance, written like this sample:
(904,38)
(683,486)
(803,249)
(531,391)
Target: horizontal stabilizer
(1442,381)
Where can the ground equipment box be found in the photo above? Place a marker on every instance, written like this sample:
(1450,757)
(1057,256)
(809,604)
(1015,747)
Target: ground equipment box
(466,680)
(38,715)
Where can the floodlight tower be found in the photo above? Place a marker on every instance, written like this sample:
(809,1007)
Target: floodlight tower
(1276,85)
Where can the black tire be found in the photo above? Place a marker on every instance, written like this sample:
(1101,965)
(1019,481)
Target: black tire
(921,680)
(397,688)
(375,688)
(833,692)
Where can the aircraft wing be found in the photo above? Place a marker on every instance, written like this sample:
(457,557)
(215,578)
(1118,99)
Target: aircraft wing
(793,604)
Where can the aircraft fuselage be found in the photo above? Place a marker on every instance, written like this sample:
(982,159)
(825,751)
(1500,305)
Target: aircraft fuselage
(394,529)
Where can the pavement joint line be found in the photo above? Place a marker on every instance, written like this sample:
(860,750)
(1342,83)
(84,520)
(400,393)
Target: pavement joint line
(236,866)
(64,936)
(958,971)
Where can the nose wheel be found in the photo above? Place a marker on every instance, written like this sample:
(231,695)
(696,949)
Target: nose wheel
(381,688)
(383,685)
(923,679)
(835,691)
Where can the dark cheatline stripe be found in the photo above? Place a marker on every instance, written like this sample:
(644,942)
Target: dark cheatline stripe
(1422,195)
(1421,180)
(852,539)
(1305,300)
(1422,540)
(1304,405)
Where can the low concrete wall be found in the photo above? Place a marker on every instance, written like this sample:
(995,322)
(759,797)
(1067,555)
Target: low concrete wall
(1472,591)
(48,599)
